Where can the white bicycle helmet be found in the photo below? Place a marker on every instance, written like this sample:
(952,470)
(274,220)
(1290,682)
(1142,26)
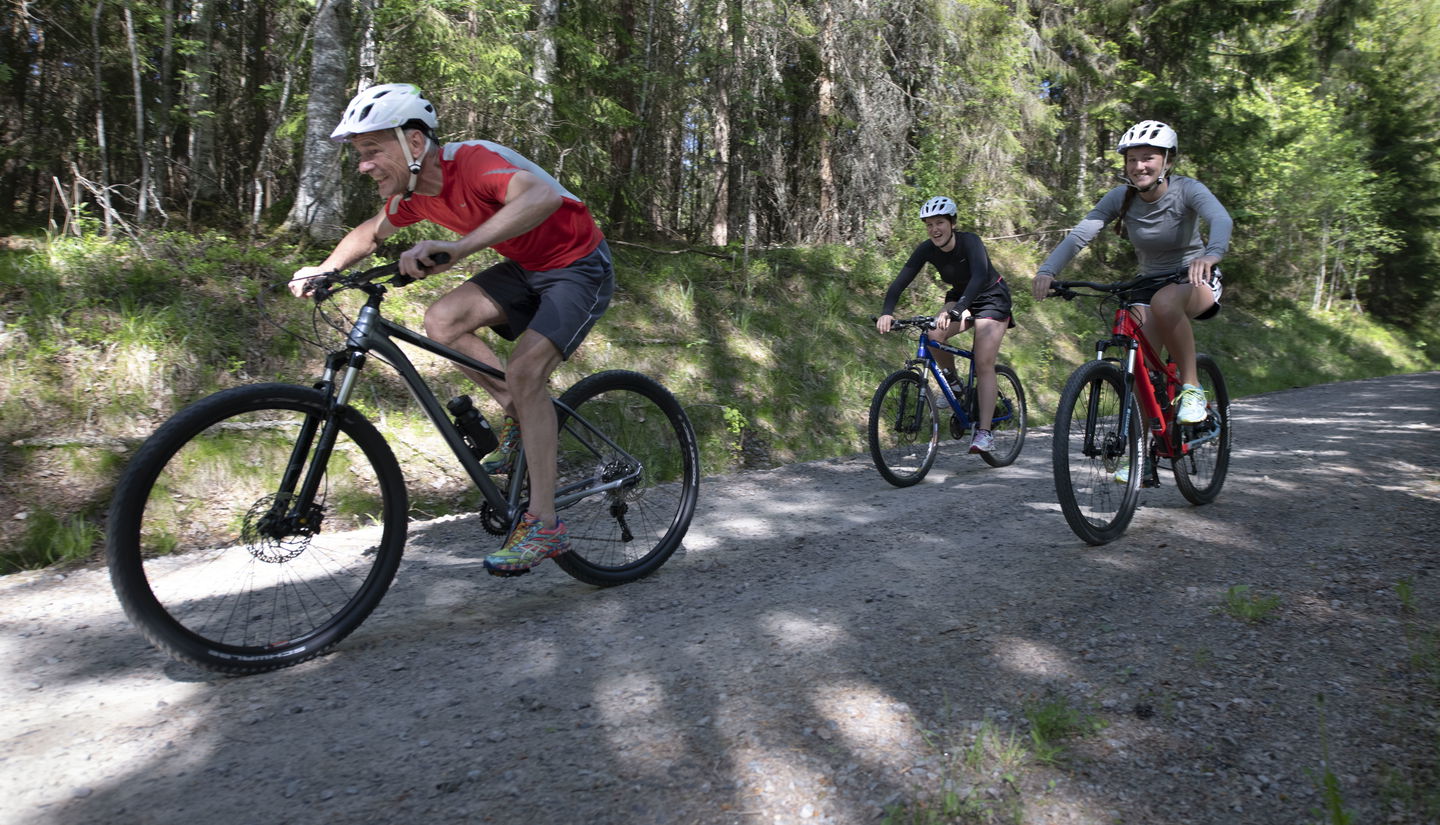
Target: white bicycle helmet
(388,106)
(1149,133)
(940,206)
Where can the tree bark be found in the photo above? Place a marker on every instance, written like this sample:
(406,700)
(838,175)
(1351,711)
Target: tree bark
(318,211)
(101,140)
(204,170)
(825,94)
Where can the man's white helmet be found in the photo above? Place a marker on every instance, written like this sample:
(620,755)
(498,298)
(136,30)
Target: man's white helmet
(1149,133)
(938,207)
(388,106)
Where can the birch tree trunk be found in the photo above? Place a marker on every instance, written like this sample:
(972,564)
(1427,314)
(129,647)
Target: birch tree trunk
(318,211)
(144,195)
(720,137)
(101,141)
(200,153)
(547,15)
(826,99)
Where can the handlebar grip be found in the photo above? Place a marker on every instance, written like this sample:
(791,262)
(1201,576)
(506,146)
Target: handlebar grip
(401,279)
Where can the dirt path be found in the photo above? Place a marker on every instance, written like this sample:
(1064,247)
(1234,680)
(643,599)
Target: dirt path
(825,646)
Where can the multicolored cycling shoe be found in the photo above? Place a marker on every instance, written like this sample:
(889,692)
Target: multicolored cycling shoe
(509,446)
(529,544)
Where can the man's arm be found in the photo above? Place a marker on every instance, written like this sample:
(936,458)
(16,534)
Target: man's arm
(357,245)
(528,202)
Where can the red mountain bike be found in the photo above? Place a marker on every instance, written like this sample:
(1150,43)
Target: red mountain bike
(1100,426)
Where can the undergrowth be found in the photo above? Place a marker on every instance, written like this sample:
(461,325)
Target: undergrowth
(773,352)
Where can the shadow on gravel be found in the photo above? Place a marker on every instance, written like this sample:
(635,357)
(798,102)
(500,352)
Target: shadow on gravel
(825,647)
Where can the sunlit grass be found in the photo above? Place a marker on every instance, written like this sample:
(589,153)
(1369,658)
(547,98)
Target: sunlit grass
(773,353)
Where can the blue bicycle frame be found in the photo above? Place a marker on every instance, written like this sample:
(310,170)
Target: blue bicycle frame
(923,356)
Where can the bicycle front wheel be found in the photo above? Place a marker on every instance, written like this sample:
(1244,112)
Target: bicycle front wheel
(1200,472)
(1097,470)
(904,428)
(210,559)
(632,440)
(1007,425)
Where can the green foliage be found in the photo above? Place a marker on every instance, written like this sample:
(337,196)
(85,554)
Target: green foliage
(99,342)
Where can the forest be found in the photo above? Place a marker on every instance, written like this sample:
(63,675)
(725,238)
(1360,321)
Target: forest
(756,124)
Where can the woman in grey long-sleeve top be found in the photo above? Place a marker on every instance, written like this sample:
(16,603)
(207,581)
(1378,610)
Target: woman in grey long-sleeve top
(1161,214)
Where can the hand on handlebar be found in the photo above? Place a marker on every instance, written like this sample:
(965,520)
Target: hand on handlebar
(304,281)
(884,323)
(428,258)
(1040,287)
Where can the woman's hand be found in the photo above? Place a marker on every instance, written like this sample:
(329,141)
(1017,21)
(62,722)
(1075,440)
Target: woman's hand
(884,322)
(1200,269)
(1040,287)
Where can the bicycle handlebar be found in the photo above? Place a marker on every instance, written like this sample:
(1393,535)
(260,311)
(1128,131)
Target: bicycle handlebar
(921,321)
(358,279)
(1066,289)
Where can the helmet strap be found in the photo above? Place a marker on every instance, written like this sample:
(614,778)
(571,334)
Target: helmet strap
(411,161)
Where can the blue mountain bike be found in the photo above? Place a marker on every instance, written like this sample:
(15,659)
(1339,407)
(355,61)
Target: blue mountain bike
(905,412)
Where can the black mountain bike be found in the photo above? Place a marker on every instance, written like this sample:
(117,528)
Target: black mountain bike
(261,525)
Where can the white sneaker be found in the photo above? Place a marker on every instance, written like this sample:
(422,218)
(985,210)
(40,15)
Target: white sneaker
(1122,474)
(982,442)
(1192,405)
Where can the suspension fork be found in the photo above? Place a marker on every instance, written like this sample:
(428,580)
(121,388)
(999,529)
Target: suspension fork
(296,512)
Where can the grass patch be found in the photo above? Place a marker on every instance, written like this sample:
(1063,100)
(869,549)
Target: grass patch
(1053,721)
(773,353)
(50,539)
(979,782)
(1240,602)
(1412,786)
(982,776)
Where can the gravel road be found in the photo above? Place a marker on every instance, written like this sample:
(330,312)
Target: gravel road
(825,647)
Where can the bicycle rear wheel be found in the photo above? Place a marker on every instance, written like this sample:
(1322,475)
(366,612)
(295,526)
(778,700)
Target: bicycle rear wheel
(904,428)
(1089,450)
(627,431)
(1200,473)
(1008,424)
(201,552)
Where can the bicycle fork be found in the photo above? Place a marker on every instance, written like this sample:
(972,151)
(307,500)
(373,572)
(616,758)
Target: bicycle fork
(297,513)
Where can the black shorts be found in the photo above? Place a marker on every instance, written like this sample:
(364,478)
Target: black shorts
(992,302)
(1142,297)
(560,304)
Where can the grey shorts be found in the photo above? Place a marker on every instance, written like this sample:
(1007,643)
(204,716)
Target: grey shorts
(560,304)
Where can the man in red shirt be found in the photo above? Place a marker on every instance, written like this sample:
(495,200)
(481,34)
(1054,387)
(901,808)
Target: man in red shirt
(554,284)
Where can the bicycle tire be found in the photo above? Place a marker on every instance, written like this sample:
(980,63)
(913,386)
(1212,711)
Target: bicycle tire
(1088,451)
(904,428)
(627,533)
(193,562)
(1009,430)
(1201,473)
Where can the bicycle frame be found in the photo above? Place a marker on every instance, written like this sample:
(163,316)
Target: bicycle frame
(373,334)
(923,355)
(1126,334)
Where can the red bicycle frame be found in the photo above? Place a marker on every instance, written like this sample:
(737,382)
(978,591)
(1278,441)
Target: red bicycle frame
(1127,335)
